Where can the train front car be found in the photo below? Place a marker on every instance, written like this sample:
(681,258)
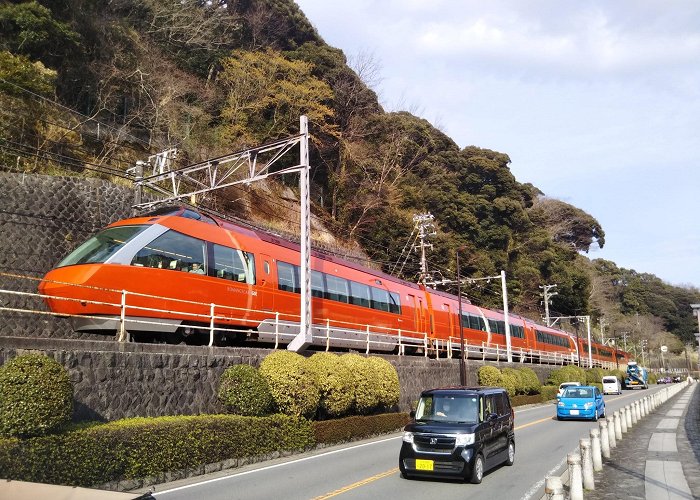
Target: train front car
(152,275)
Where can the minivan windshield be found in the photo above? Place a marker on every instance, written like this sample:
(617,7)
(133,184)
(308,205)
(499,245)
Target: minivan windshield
(448,408)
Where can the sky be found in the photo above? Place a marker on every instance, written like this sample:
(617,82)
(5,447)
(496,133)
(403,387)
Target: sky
(596,103)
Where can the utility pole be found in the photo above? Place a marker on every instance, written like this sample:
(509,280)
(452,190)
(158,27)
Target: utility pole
(642,345)
(426,228)
(462,364)
(547,300)
(624,339)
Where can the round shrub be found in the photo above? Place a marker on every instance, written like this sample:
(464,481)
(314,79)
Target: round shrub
(516,379)
(594,375)
(490,376)
(292,383)
(243,391)
(569,373)
(387,380)
(531,382)
(366,395)
(36,396)
(334,381)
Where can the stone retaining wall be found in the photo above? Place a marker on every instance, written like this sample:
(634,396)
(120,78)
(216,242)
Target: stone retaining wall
(113,380)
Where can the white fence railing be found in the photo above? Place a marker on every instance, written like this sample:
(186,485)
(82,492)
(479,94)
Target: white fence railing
(278,328)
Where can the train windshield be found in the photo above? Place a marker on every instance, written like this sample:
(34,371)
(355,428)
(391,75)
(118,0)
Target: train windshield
(102,246)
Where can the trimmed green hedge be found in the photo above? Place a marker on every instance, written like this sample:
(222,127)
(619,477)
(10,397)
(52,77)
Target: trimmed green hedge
(549,392)
(142,447)
(36,396)
(351,428)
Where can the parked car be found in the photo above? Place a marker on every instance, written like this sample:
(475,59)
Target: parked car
(564,385)
(585,401)
(611,385)
(663,380)
(676,379)
(458,432)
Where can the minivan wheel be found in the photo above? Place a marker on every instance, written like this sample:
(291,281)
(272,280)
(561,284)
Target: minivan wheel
(511,453)
(477,470)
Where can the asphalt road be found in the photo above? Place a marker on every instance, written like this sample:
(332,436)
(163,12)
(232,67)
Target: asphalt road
(369,469)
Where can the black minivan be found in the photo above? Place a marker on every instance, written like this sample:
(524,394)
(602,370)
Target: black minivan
(458,432)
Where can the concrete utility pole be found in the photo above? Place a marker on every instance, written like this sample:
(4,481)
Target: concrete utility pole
(509,350)
(426,228)
(696,312)
(547,300)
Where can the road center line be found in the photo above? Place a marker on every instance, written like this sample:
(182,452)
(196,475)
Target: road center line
(358,484)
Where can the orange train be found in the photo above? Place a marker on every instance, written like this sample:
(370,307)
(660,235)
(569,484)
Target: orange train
(178,274)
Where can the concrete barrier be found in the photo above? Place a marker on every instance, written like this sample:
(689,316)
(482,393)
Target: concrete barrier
(611,433)
(596,455)
(575,477)
(623,420)
(586,463)
(553,488)
(618,425)
(604,438)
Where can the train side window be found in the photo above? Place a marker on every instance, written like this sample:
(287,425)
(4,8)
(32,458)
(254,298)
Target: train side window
(380,299)
(173,250)
(234,265)
(288,277)
(394,303)
(359,294)
(337,288)
(318,286)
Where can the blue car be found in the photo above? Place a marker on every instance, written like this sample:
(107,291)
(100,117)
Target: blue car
(584,401)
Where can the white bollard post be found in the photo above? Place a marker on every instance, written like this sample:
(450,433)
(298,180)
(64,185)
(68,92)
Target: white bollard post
(635,413)
(553,489)
(647,402)
(604,439)
(629,416)
(638,410)
(618,425)
(575,479)
(586,463)
(611,433)
(643,407)
(595,450)
(623,420)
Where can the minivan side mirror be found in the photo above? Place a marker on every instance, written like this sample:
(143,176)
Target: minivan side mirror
(412,414)
(492,416)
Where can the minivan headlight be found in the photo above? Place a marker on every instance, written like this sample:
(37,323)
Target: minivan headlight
(561,403)
(588,405)
(464,439)
(408,437)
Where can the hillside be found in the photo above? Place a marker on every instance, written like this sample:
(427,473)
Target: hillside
(89,88)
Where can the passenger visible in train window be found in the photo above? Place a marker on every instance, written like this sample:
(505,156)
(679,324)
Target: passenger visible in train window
(196,268)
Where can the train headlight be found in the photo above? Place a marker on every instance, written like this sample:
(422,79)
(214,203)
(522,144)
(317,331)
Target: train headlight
(408,437)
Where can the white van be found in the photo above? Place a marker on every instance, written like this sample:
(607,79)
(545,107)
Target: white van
(611,385)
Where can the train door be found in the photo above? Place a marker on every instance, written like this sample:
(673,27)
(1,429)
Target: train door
(267,283)
(421,316)
(450,322)
(412,304)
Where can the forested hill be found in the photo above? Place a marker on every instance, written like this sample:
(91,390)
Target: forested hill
(88,88)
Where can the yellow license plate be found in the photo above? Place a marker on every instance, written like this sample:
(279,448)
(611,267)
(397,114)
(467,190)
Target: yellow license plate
(424,464)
